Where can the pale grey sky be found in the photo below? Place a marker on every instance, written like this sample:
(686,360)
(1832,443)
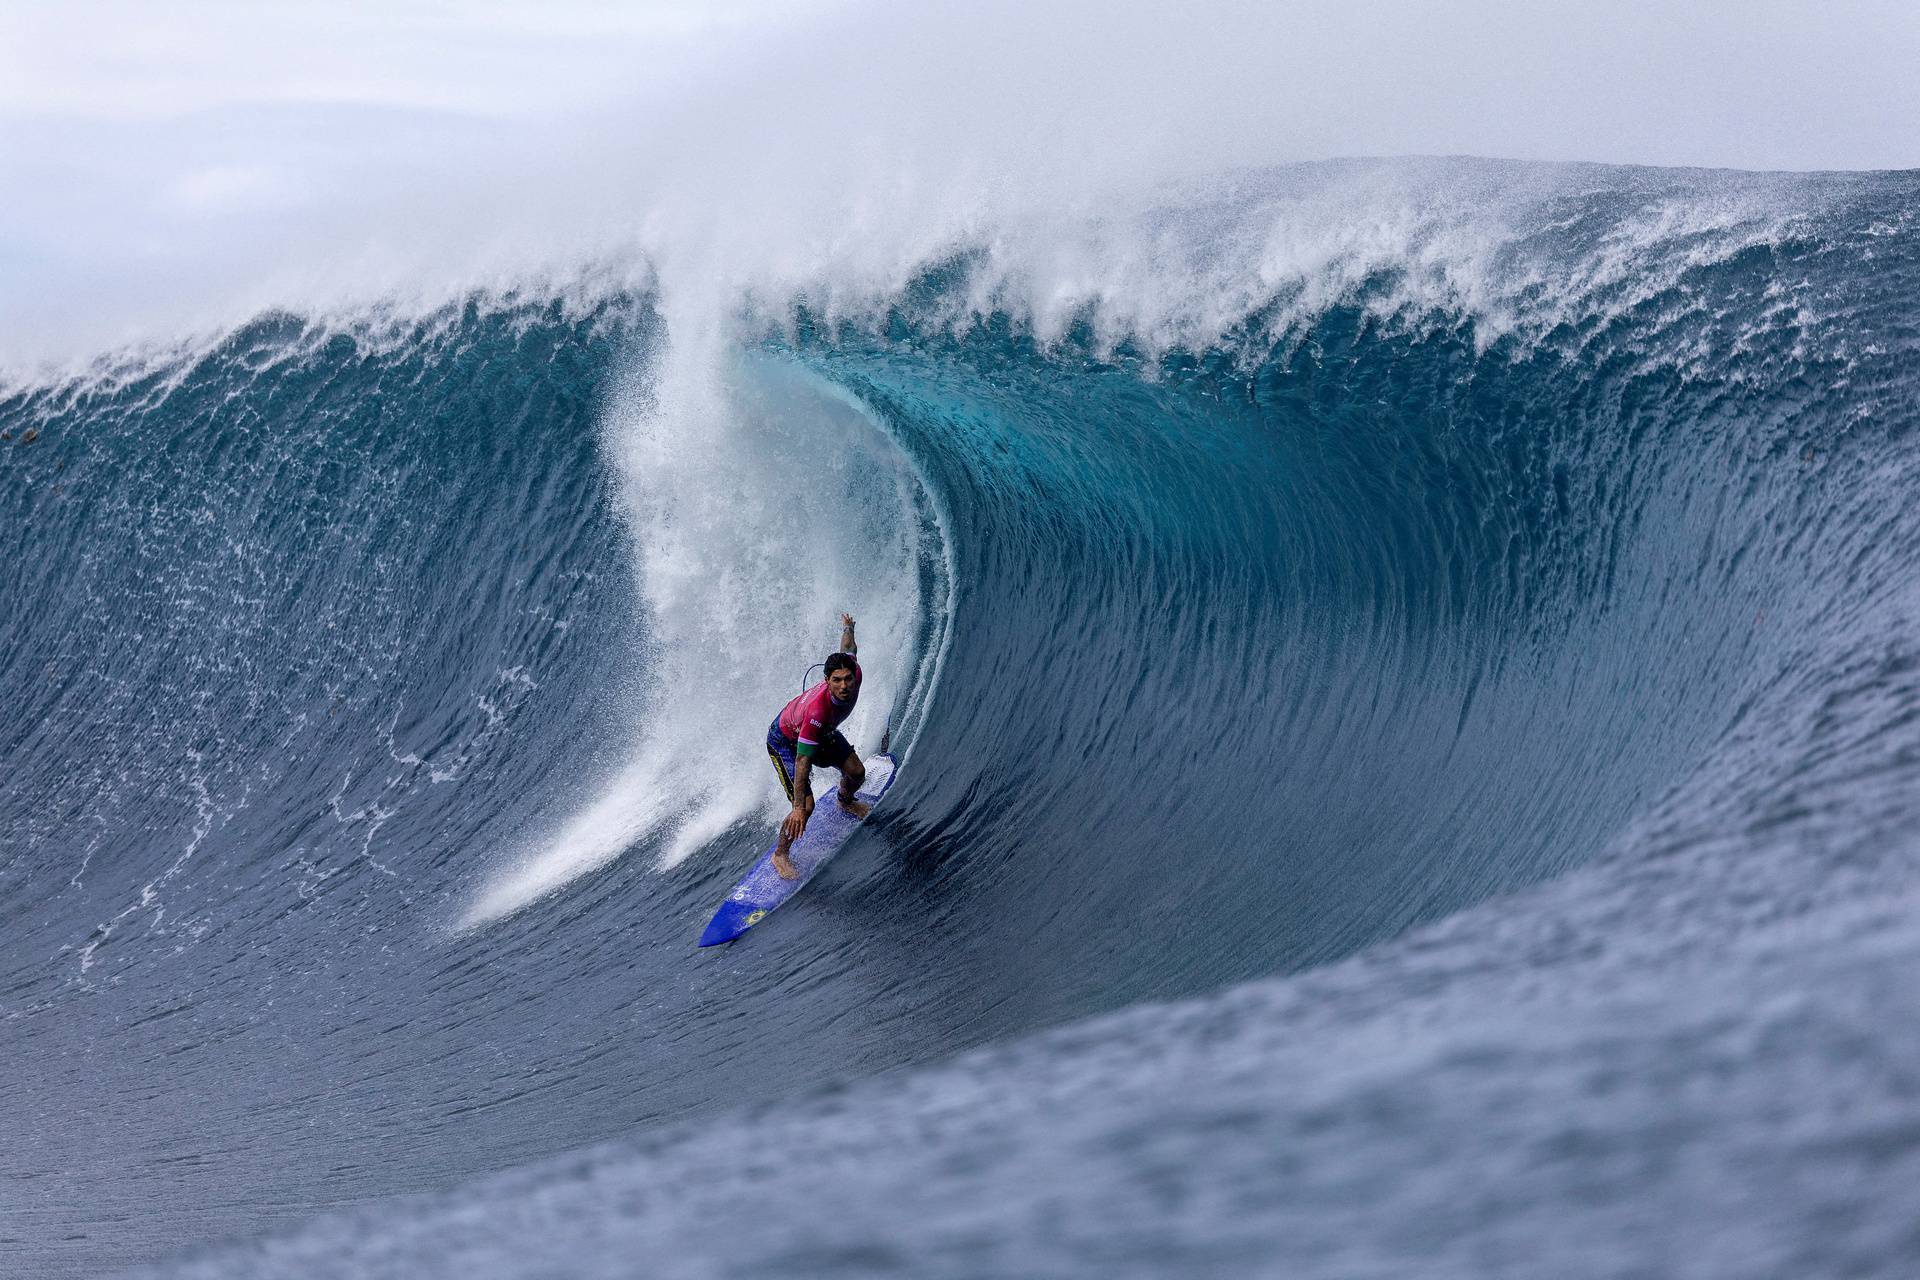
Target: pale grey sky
(1745,83)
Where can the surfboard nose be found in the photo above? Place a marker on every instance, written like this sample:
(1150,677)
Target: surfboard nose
(730,921)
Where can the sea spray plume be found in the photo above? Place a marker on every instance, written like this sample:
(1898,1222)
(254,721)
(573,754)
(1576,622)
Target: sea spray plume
(752,493)
(856,142)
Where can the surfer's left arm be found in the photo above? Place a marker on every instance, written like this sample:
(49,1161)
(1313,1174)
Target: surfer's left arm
(846,634)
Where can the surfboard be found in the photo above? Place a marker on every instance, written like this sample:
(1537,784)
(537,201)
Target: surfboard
(762,889)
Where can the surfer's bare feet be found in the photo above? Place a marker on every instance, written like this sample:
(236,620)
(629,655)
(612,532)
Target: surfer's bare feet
(858,808)
(784,865)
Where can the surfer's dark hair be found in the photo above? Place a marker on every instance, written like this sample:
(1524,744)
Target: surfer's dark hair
(839,662)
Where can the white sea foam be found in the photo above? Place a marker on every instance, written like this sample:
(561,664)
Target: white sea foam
(836,149)
(761,505)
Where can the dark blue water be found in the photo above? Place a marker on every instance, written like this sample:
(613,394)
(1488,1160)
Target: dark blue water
(1521,683)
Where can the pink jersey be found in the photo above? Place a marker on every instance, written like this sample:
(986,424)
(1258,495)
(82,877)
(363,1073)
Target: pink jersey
(809,718)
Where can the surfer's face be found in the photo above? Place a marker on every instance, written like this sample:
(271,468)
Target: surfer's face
(840,683)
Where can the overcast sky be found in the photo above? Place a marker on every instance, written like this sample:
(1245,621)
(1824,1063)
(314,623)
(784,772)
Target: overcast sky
(1748,83)
(155,150)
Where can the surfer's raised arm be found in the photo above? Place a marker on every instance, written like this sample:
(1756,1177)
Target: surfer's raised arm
(846,634)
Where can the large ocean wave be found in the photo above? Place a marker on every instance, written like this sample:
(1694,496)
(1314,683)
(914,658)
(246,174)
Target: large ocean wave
(1474,599)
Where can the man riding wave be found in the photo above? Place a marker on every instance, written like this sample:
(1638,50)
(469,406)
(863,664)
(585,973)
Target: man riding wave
(807,733)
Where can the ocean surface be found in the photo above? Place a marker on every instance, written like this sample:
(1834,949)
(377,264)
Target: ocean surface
(1407,677)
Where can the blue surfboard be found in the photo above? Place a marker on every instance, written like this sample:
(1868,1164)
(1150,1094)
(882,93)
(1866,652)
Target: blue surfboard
(762,889)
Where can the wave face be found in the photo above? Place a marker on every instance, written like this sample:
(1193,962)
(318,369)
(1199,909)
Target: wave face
(387,700)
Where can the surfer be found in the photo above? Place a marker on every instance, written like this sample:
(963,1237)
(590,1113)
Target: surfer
(806,733)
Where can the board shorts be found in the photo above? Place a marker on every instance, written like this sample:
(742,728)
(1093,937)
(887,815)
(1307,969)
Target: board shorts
(832,753)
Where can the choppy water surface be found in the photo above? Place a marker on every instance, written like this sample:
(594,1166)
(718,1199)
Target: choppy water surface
(1412,757)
